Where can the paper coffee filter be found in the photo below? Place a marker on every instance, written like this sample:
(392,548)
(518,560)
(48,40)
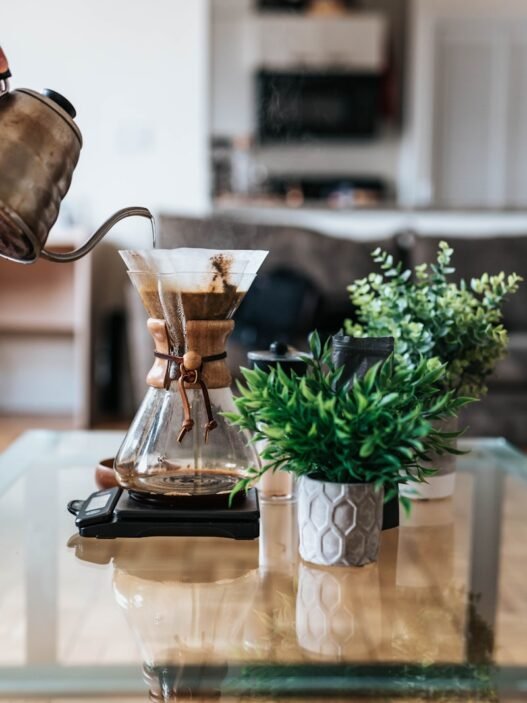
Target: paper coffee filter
(136,260)
(241,260)
(193,260)
(160,261)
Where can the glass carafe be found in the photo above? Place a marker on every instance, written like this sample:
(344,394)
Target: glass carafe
(179,445)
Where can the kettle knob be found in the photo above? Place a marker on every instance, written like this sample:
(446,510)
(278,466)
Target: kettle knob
(61,101)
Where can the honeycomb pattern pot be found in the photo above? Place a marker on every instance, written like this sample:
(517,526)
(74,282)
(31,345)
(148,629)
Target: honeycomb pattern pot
(339,523)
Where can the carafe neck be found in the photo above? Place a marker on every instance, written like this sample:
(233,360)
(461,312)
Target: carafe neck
(205,338)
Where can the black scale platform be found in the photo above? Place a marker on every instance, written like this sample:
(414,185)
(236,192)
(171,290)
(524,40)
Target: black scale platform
(113,513)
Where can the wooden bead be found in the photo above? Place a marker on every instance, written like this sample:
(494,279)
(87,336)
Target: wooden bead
(192,361)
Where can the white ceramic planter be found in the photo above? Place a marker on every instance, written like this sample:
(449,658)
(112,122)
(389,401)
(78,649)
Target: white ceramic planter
(443,483)
(339,523)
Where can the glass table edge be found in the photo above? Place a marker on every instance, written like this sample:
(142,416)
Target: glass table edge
(499,448)
(278,680)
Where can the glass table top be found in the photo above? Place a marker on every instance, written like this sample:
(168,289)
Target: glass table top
(443,612)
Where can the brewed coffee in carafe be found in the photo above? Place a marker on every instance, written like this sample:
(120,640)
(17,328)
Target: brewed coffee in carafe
(179,445)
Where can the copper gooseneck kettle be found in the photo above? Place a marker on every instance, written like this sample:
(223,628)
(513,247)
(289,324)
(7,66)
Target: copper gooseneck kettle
(39,149)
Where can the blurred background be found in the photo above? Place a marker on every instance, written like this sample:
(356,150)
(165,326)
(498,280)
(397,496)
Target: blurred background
(317,129)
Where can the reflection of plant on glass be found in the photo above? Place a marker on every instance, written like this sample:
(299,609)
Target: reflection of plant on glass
(441,610)
(421,611)
(441,683)
(278,624)
(377,429)
(429,315)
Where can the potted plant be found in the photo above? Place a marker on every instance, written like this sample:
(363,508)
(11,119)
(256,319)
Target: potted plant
(429,315)
(351,444)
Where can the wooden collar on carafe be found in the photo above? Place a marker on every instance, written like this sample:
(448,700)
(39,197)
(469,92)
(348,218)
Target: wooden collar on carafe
(201,367)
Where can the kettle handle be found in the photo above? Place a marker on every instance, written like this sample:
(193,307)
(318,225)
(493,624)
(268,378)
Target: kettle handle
(5,73)
(99,234)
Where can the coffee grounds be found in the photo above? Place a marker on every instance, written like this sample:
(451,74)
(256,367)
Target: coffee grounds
(150,299)
(211,305)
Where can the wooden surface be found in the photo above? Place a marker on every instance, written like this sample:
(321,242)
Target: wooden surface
(158,373)
(13,426)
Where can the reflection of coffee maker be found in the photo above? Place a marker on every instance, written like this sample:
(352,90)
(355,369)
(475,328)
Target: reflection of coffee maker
(187,604)
(181,458)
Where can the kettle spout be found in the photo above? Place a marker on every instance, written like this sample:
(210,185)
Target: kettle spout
(100,233)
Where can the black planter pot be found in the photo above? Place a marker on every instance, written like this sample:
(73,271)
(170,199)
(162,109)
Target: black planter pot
(357,355)
(390,514)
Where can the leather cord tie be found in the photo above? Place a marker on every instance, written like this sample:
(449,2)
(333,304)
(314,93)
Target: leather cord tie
(179,370)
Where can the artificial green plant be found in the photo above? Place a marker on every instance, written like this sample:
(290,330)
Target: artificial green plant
(429,315)
(377,429)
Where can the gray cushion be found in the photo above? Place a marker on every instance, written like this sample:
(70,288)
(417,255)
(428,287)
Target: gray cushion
(512,370)
(331,263)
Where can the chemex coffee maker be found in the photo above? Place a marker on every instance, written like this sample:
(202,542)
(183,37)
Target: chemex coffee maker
(180,458)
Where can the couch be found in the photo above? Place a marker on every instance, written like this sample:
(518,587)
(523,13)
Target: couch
(302,286)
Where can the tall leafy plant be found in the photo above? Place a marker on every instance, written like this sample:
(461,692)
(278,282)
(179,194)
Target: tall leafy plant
(429,315)
(378,429)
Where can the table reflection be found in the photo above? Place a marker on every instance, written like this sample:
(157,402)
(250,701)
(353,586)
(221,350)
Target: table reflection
(198,607)
(339,612)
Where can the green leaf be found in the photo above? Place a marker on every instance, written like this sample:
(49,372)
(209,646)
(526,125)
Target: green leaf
(315,345)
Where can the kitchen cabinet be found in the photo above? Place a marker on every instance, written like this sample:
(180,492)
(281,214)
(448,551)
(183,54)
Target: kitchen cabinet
(45,337)
(355,43)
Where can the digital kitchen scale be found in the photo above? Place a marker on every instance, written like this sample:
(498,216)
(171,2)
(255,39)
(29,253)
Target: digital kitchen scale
(112,513)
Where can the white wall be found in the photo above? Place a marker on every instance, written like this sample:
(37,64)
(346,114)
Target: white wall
(137,72)
(417,167)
